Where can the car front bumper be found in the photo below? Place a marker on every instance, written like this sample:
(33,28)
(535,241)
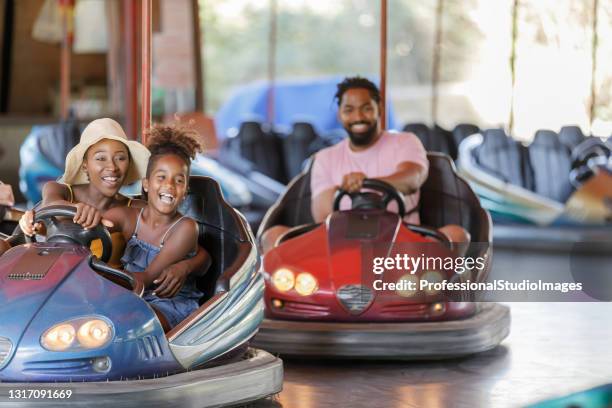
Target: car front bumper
(394,341)
(253,378)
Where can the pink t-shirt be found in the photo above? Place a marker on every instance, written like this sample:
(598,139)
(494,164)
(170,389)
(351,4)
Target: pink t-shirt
(380,160)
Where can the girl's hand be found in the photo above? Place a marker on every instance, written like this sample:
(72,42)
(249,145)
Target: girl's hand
(26,223)
(171,280)
(89,217)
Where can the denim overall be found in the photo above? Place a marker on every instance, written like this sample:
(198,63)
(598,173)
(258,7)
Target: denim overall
(138,255)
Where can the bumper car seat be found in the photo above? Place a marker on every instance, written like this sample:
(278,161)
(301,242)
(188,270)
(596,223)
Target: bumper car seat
(222,233)
(296,147)
(505,158)
(551,163)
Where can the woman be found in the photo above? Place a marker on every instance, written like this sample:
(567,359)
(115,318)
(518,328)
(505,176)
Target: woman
(96,168)
(6,195)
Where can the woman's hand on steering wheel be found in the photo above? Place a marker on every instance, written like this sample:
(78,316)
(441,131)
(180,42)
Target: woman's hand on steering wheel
(27,225)
(61,229)
(89,217)
(86,216)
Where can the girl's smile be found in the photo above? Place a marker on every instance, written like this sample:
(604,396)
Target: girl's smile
(167,184)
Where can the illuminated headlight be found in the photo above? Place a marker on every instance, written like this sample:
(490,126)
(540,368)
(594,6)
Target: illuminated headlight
(431,277)
(306,284)
(94,333)
(283,279)
(408,285)
(59,337)
(88,333)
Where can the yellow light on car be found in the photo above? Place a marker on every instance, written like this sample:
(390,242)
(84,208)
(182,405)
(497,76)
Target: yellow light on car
(408,285)
(94,333)
(59,337)
(306,284)
(283,279)
(438,308)
(431,277)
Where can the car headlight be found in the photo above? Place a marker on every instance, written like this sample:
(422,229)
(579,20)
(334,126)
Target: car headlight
(59,337)
(94,333)
(88,333)
(306,284)
(409,285)
(431,277)
(283,279)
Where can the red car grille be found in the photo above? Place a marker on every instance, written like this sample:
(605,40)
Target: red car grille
(416,310)
(355,298)
(306,309)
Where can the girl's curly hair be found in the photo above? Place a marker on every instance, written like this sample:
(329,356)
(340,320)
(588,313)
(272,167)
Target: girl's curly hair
(171,139)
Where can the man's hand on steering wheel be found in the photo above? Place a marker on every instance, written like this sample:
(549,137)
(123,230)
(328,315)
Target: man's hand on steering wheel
(353,182)
(388,193)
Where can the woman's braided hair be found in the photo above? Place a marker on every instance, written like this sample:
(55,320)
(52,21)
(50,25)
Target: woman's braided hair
(172,139)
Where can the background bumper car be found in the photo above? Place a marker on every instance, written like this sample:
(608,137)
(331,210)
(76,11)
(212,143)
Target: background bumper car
(70,322)
(552,194)
(320,300)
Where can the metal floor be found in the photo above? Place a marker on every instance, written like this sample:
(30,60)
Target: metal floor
(553,349)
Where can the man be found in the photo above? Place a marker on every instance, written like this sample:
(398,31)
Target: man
(398,159)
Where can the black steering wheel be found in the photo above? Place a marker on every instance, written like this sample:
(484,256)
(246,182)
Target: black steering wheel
(64,230)
(366,200)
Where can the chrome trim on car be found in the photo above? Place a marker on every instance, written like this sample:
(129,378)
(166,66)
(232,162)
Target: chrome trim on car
(5,350)
(250,263)
(229,323)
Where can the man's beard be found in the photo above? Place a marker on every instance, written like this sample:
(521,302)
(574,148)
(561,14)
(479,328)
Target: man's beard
(362,138)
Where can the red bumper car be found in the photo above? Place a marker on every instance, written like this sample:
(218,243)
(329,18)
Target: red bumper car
(326,295)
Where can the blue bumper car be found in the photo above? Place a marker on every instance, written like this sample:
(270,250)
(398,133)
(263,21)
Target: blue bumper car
(71,323)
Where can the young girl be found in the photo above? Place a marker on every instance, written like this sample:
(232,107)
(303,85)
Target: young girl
(158,235)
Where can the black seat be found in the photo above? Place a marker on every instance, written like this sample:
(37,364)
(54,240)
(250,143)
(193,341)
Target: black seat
(222,232)
(437,139)
(444,142)
(462,131)
(571,136)
(421,131)
(505,158)
(447,199)
(297,147)
(260,145)
(551,163)
(293,208)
